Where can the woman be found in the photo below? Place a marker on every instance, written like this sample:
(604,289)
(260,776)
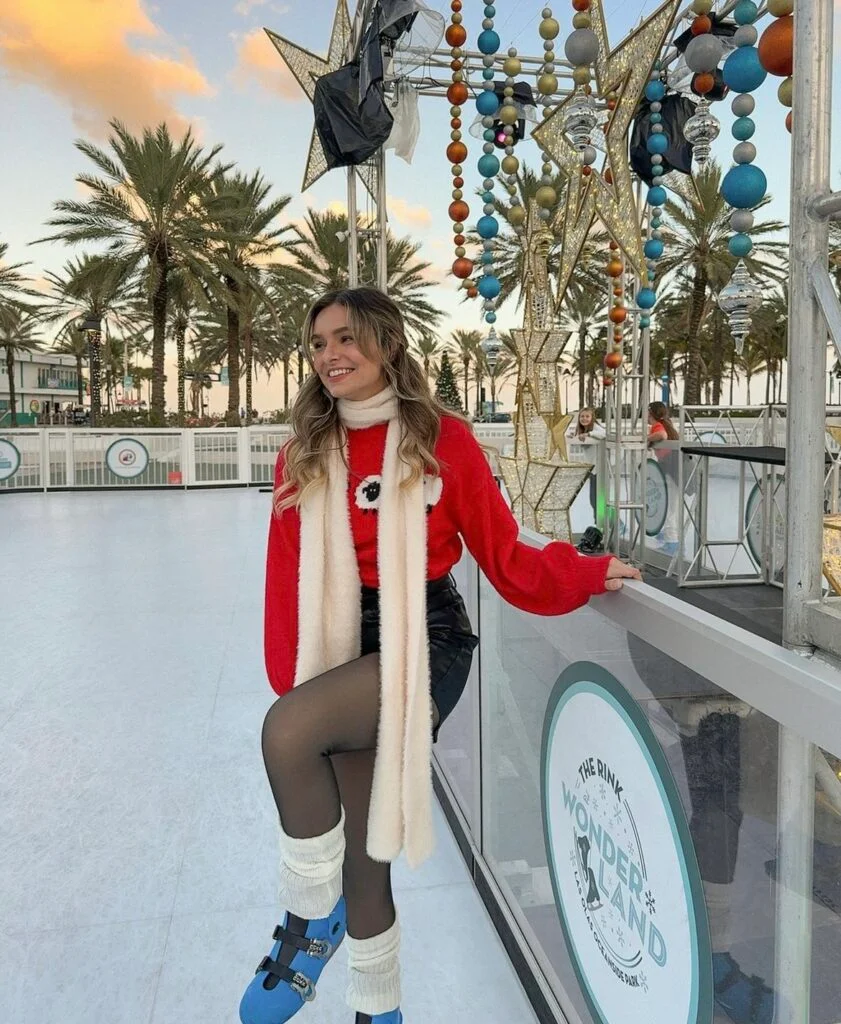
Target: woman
(583,429)
(661,428)
(376,486)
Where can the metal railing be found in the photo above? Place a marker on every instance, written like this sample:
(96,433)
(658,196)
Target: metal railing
(57,458)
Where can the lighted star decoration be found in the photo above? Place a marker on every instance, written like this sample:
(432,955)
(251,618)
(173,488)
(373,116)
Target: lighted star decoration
(625,72)
(541,482)
(307,68)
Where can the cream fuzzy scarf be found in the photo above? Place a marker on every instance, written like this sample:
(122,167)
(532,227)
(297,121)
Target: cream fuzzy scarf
(329,612)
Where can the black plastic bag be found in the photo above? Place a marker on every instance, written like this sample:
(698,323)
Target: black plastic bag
(350,131)
(676,111)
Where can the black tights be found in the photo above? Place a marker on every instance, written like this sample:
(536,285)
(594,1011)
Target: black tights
(319,744)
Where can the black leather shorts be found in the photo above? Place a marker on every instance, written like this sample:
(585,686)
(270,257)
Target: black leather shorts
(451,640)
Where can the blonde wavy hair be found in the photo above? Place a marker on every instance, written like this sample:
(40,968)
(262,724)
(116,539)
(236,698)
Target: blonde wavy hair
(377,326)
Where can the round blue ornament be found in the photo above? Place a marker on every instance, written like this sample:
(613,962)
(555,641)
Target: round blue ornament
(488,165)
(745,12)
(488,74)
(489,286)
(656,196)
(487,102)
(742,70)
(655,91)
(488,227)
(645,321)
(490,11)
(657,143)
(489,135)
(486,258)
(655,118)
(646,297)
(488,41)
(744,186)
(740,245)
(490,317)
(743,128)
(654,249)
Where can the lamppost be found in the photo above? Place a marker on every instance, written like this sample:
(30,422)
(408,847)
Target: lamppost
(92,329)
(491,347)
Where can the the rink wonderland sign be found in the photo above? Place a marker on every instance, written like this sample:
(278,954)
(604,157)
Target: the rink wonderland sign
(624,873)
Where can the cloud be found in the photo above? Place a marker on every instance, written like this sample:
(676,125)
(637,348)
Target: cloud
(245,7)
(404,213)
(84,52)
(258,60)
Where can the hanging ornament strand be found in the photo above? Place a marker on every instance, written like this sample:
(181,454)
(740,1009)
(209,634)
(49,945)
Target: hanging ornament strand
(702,56)
(581,50)
(776,50)
(510,164)
(488,225)
(657,144)
(459,211)
(615,353)
(744,185)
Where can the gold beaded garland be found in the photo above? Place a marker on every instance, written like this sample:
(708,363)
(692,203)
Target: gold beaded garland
(462,267)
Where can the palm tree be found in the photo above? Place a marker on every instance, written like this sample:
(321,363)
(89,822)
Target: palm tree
(427,348)
(74,343)
(769,333)
(466,344)
(750,362)
(584,312)
(17,318)
(95,288)
(187,298)
(147,202)
(248,238)
(696,244)
(322,253)
(18,333)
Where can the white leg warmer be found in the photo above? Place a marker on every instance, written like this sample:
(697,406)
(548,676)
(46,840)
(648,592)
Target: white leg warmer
(374,979)
(311,872)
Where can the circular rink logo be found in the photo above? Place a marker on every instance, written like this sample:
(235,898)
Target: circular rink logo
(127,458)
(623,868)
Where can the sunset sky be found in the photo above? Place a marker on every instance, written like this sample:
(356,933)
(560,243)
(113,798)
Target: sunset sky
(67,66)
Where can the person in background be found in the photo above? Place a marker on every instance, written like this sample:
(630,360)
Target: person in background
(660,429)
(584,429)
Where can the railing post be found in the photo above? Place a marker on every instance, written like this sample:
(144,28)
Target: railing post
(244,455)
(807,333)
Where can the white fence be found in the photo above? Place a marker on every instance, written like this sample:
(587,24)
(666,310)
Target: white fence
(55,458)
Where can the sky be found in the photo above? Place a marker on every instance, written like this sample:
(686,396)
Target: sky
(68,66)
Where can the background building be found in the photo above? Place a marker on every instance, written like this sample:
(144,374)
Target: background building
(45,384)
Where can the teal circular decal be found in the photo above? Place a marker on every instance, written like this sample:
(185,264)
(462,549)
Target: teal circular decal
(755,522)
(9,459)
(127,458)
(624,873)
(656,499)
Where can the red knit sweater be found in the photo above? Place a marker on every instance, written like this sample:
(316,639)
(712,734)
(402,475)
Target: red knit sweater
(464,502)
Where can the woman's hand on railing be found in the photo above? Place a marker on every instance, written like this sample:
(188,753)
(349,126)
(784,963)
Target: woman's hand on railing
(617,572)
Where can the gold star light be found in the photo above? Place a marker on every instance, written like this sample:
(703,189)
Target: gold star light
(540,481)
(625,72)
(307,69)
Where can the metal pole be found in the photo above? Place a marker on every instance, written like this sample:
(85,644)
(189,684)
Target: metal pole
(810,147)
(353,230)
(382,225)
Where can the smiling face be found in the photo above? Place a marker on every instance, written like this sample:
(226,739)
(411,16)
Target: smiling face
(343,368)
(585,418)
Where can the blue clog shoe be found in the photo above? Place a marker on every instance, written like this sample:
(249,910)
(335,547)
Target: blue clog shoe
(278,991)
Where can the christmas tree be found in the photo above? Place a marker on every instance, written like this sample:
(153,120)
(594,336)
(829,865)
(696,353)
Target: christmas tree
(445,388)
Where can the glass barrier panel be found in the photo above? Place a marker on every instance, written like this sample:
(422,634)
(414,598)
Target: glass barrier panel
(723,757)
